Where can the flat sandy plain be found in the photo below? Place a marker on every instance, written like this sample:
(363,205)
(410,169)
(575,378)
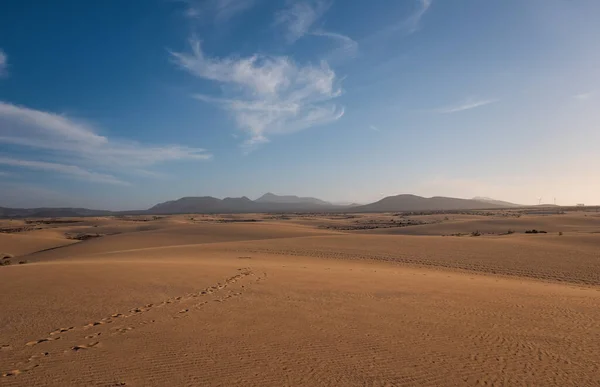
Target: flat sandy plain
(311,300)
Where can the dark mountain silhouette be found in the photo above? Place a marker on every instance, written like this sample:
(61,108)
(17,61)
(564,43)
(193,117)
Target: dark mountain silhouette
(418,203)
(206,204)
(50,212)
(290,199)
(268,203)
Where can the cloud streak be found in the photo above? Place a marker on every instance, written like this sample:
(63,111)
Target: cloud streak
(266,95)
(3,63)
(406,26)
(413,22)
(299,18)
(585,96)
(56,137)
(348,47)
(467,105)
(217,10)
(70,170)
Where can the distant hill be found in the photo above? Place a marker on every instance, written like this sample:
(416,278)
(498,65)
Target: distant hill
(290,199)
(494,201)
(50,212)
(206,204)
(269,203)
(417,203)
(209,204)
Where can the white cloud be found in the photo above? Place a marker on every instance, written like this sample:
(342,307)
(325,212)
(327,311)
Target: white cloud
(299,17)
(71,170)
(406,26)
(585,96)
(412,23)
(56,137)
(3,63)
(347,46)
(374,128)
(217,10)
(466,105)
(267,94)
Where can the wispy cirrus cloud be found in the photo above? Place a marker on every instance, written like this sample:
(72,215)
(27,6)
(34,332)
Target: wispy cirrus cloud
(470,103)
(298,18)
(413,22)
(266,95)
(3,63)
(348,47)
(585,96)
(406,26)
(91,156)
(64,169)
(217,10)
(374,128)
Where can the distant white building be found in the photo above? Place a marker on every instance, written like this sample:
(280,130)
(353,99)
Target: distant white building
(580,205)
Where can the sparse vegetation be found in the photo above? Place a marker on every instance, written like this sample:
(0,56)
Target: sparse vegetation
(5,259)
(534,231)
(476,233)
(82,236)
(560,233)
(22,262)
(510,232)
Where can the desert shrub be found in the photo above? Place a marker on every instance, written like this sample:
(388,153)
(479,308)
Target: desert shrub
(6,256)
(22,262)
(560,233)
(510,232)
(476,233)
(5,262)
(534,231)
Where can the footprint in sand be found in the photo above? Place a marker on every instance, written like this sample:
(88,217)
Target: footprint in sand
(122,330)
(18,372)
(61,330)
(84,346)
(34,357)
(35,342)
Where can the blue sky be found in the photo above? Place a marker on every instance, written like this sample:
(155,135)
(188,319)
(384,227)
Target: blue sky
(123,104)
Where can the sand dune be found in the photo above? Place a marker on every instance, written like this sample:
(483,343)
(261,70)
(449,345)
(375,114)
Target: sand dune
(279,302)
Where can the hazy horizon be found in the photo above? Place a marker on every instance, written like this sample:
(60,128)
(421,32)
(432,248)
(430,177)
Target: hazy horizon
(112,106)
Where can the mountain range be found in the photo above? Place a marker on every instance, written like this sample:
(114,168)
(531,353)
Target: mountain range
(270,202)
(408,202)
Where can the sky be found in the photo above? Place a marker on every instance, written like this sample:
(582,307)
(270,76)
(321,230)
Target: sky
(121,104)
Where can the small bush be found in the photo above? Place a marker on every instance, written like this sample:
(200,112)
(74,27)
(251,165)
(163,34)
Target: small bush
(510,232)
(476,233)
(5,262)
(534,231)
(560,233)
(22,262)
